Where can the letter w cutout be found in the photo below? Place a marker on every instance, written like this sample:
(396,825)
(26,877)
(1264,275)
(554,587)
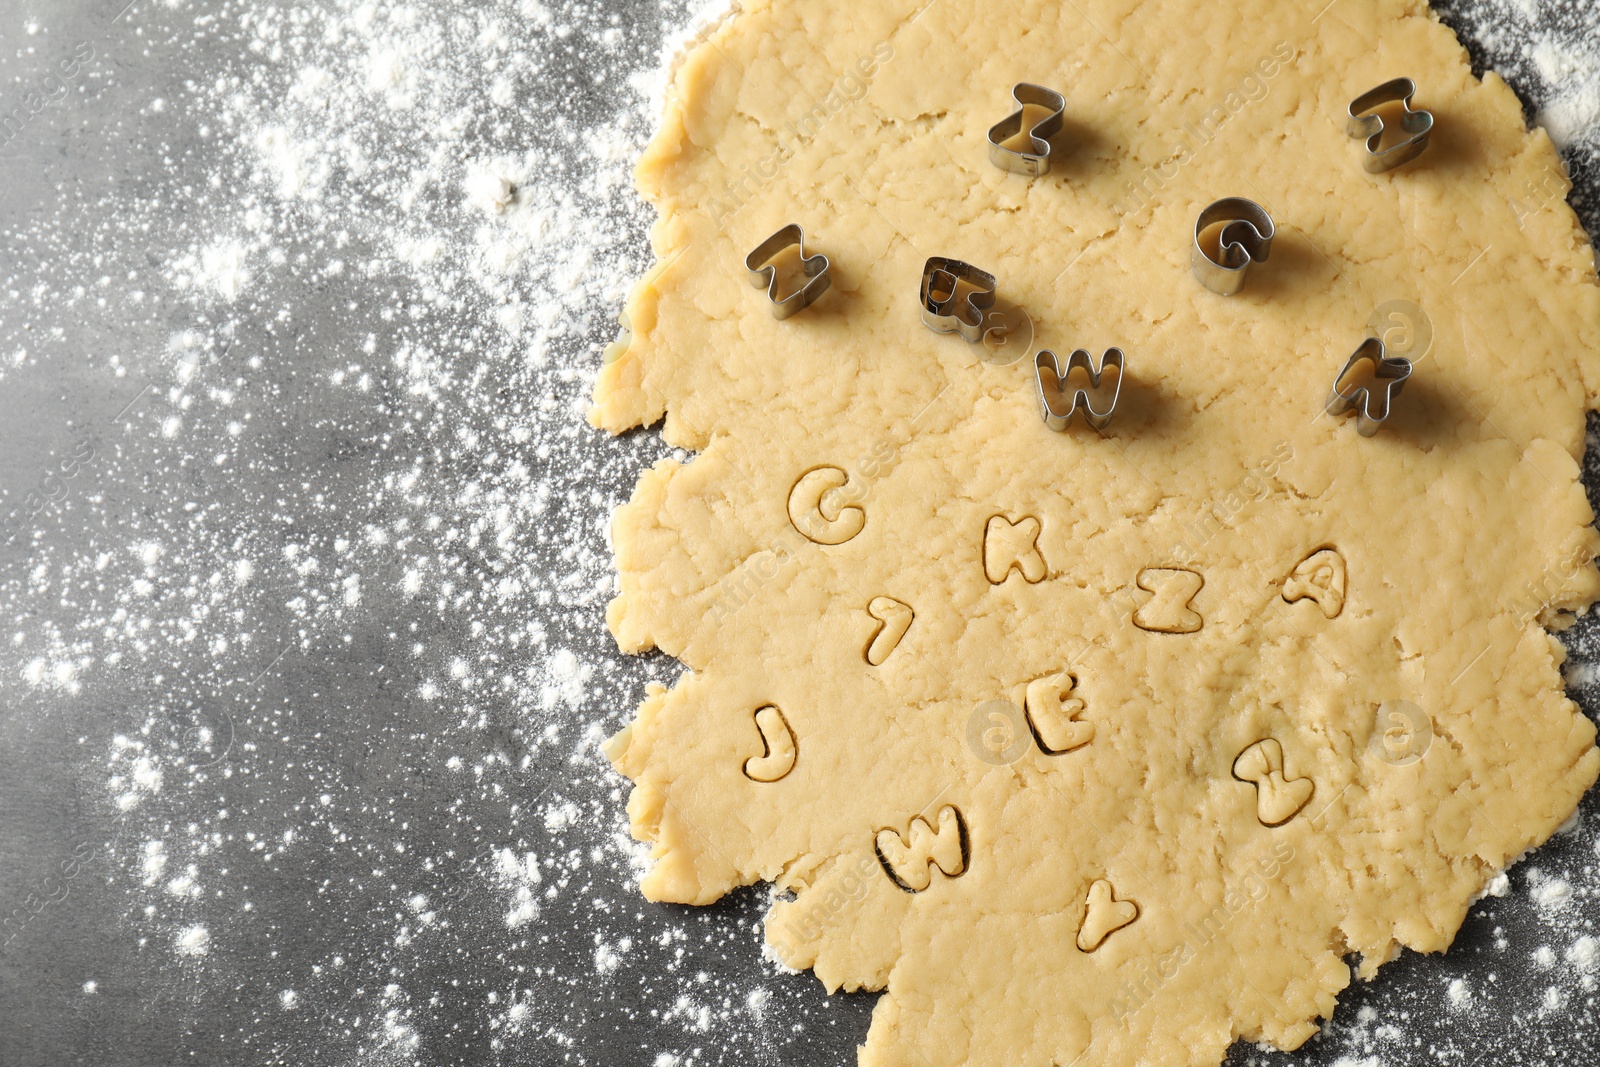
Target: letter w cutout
(908,863)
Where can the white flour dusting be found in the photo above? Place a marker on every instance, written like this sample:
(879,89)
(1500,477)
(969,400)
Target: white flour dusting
(1553,47)
(360,307)
(322,592)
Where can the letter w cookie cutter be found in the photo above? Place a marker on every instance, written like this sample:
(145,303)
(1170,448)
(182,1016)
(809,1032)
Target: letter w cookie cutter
(758,264)
(1035,161)
(1365,122)
(1246,237)
(941,311)
(1059,403)
(1373,397)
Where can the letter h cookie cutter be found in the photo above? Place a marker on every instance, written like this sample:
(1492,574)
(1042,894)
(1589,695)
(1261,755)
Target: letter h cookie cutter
(941,311)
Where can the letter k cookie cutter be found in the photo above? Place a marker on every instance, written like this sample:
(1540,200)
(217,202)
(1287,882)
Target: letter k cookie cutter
(1370,393)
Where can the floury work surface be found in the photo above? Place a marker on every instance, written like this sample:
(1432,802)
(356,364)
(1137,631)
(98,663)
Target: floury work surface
(305,562)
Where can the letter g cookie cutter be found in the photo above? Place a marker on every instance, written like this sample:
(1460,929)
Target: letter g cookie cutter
(1246,237)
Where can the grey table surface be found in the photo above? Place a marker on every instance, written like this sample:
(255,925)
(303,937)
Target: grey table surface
(286,698)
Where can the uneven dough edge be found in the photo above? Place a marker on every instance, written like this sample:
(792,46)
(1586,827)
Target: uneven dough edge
(626,395)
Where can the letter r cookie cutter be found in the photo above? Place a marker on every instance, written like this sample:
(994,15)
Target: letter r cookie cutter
(1373,397)
(758,264)
(1035,160)
(1060,403)
(1364,121)
(941,311)
(1246,238)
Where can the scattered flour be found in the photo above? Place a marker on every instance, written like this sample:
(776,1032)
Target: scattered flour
(1550,893)
(193,941)
(1584,954)
(356,314)
(518,875)
(1556,42)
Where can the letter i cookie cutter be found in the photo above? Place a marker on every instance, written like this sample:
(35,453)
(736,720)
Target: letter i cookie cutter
(1365,122)
(758,265)
(1035,160)
(1059,403)
(1373,397)
(1246,238)
(941,311)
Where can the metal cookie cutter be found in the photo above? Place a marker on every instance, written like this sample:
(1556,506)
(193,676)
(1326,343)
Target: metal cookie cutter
(763,274)
(1246,238)
(1056,414)
(1034,162)
(1365,122)
(941,311)
(1372,398)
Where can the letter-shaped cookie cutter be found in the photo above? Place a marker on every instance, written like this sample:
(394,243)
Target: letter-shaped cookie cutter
(1035,161)
(758,264)
(941,311)
(1058,404)
(1246,238)
(1372,399)
(1365,122)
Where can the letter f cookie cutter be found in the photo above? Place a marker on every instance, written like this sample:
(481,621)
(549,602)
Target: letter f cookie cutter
(1034,161)
(1365,122)
(1246,237)
(941,311)
(758,264)
(1060,403)
(1375,393)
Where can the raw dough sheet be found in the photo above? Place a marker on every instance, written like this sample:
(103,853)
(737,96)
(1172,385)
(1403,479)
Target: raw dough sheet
(1101,747)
